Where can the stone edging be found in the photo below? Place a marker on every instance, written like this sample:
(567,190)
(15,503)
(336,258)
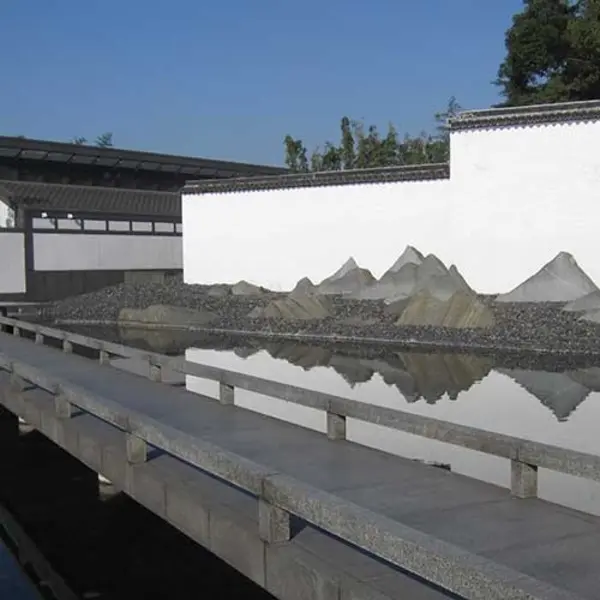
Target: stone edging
(411,343)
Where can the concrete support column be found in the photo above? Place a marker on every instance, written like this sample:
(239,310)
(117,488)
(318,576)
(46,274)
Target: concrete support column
(39,339)
(226,393)
(16,331)
(523,479)
(67,347)
(103,357)
(336,426)
(273,523)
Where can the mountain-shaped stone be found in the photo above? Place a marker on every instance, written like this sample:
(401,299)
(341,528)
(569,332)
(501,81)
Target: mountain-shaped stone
(589,302)
(295,307)
(410,256)
(305,286)
(349,280)
(560,280)
(347,267)
(461,310)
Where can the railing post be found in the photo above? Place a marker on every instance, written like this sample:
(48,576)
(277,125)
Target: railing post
(273,523)
(155,373)
(67,347)
(226,393)
(63,409)
(336,426)
(137,449)
(103,357)
(39,338)
(523,479)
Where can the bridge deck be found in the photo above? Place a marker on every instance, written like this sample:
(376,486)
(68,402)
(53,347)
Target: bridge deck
(551,543)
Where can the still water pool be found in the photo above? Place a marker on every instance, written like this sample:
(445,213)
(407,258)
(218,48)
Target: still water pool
(550,403)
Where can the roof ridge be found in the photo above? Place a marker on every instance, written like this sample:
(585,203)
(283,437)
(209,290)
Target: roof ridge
(100,188)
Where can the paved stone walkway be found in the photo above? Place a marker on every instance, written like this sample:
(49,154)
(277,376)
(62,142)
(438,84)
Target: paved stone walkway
(553,544)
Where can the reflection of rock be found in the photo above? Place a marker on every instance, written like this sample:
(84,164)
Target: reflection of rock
(589,302)
(590,378)
(560,280)
(350,279)
(439,374)
(306,357)
(560,392)
(245,352)
(353,371)
(163,341)
(461,310)
(416,376)
(160,314)
(295,306)
(243,288)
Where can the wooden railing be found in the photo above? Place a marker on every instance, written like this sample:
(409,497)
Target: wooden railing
(526,456)
(280,496)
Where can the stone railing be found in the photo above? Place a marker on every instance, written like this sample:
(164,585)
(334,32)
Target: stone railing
(281,497)
(526,456)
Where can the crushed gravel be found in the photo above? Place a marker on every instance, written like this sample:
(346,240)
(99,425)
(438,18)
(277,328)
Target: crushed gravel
(528,326)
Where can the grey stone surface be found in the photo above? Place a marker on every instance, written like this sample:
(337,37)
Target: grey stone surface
(560,280)
(589,302)
(162,314)
(442,545)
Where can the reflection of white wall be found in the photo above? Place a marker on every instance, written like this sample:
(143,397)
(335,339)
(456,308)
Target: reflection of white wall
(80,252)
(516,197)
(495,404)
(12,263)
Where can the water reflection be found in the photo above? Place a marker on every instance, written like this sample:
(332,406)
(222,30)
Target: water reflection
(549,401)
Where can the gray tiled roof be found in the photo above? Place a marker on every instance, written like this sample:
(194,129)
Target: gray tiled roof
(192,167)
(90,199)
(325,178)
(538,114)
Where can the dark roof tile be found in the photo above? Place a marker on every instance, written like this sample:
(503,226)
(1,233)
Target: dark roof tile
(90,199)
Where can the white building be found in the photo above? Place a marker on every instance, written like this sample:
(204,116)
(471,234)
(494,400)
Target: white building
(523,184)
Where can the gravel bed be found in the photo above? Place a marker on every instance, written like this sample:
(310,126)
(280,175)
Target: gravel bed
(529,327)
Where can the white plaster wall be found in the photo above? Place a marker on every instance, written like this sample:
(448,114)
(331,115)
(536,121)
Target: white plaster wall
(516,197)
(12,263)
(275,238)
(80,252)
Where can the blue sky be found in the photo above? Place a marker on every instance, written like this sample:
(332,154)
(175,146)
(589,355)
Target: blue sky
(229,79)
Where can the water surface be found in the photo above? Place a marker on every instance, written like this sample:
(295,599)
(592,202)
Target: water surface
(549,402)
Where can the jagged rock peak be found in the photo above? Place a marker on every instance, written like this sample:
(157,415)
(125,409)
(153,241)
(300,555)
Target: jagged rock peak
(347,267)
(410,256)
(304,286)
(560,280)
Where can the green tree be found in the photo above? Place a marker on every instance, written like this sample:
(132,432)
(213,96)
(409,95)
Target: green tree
(79,141)
(296,157)
(552,53)
(363,147)
(104,140)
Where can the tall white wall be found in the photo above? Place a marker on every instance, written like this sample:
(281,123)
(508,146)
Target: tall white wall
(516,197)
(12,263)
(83,252)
